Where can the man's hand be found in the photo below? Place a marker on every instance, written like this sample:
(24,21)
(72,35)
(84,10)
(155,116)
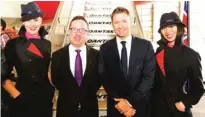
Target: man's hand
(180,106)
(122,106)
(130,112)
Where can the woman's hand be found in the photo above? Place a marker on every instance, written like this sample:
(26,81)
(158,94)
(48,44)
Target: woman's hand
(180,106)
(10,88)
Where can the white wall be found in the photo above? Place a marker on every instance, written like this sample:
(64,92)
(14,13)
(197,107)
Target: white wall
(197,30)
(11,9)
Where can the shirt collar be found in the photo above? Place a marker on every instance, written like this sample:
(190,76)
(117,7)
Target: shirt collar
(72,48)
(128,39)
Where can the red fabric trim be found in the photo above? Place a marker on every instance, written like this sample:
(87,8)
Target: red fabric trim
(49,8)
(136,3)
(32,48)
(160,61)
(186,42)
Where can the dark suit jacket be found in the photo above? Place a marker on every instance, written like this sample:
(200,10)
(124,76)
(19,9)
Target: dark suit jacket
(136,87)
(70,94)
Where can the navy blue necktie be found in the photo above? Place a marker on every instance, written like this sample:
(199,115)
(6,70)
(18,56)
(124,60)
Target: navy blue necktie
(78,68)
(124,58)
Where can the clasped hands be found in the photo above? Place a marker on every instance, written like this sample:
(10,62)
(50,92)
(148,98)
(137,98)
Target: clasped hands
(124,107)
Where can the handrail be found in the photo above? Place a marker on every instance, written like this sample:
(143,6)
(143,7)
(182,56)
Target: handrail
(55,21)
(67,28)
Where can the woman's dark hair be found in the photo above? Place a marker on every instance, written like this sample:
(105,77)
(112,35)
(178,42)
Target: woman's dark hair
(180,32)
(3,24)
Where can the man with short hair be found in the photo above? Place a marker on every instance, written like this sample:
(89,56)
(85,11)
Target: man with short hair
(127,66)
(74,72)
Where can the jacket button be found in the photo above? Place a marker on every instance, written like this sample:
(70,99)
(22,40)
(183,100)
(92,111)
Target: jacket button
(29,60)
(34,93)
(170,90)
(35,79)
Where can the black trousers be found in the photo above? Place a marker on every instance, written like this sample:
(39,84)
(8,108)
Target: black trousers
(187,113)
(5,100)
(177,113)
(4,111)
(161,109)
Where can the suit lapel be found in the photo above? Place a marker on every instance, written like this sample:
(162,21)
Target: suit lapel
(66,60)
(33,50)
(134,54)
(29,48)
(88,64)
(88,60)
(115,51)
(21,48)
(23,51)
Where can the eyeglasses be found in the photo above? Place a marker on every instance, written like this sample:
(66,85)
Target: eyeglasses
(81,30)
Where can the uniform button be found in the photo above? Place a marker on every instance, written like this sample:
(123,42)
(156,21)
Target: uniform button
(79,106)
(42,74)
(34,93)
(35,79)
(161,101)
(170,90)
(29,60)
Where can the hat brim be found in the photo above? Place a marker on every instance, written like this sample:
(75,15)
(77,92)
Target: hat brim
(179,23)
(31,16)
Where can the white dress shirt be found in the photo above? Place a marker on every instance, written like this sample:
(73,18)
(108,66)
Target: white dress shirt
(128,47)
(73,53)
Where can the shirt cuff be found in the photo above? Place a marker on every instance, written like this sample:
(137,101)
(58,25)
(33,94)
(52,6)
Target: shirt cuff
(129,103)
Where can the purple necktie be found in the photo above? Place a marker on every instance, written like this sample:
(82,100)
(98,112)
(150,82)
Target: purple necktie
(78,68)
